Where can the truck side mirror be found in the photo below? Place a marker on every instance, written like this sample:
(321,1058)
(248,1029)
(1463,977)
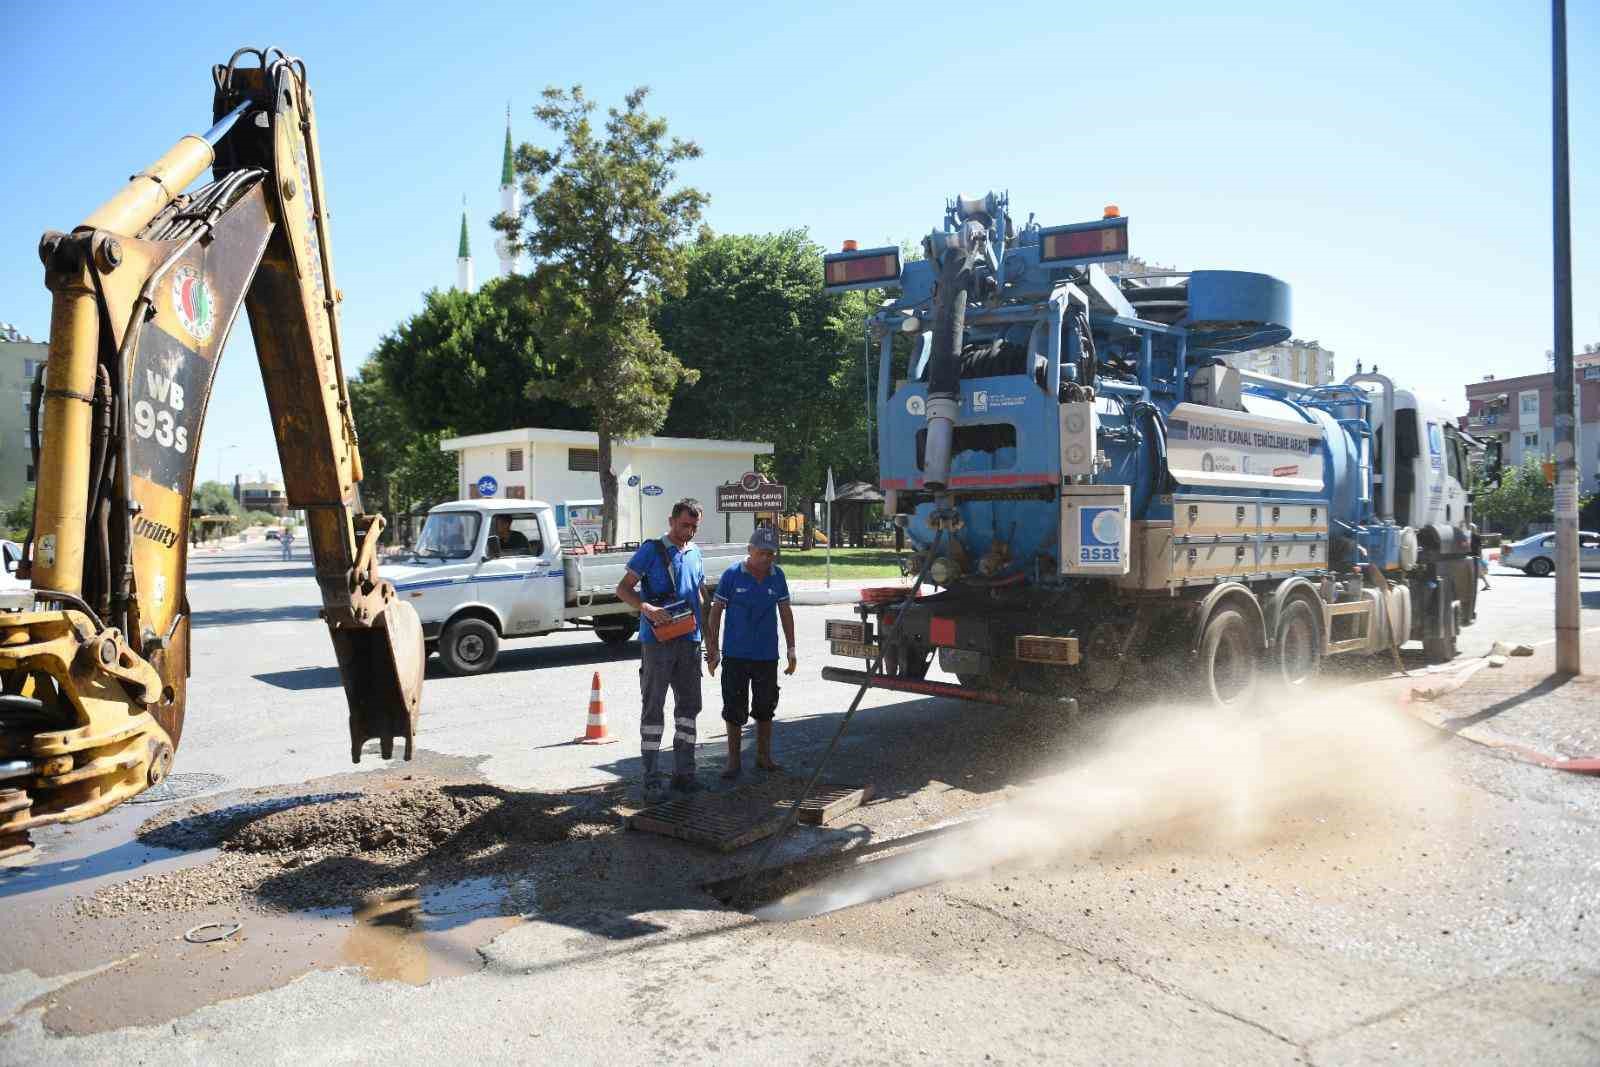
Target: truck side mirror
(492,549)
(1494,464)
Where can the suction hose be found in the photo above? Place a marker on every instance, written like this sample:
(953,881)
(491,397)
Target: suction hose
(944,368)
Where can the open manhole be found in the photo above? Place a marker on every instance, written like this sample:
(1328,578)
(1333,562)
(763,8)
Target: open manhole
(179,787)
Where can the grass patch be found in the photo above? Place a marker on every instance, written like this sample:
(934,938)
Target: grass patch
(847,563)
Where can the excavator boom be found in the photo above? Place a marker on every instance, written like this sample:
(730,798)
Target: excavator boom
(144,295)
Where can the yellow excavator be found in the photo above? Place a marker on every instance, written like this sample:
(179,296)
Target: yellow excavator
(144,295)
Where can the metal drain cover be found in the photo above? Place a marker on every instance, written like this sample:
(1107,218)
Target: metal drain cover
(179,787)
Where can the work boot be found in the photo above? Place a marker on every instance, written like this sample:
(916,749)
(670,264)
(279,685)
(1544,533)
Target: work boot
(654,790)
(686,784)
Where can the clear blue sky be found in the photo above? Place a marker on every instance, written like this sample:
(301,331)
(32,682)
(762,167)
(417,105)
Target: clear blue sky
(1389,160)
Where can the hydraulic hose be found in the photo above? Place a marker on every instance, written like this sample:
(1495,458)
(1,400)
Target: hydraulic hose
(944,368)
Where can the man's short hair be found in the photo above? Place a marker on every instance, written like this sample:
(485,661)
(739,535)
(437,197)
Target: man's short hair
(688,504)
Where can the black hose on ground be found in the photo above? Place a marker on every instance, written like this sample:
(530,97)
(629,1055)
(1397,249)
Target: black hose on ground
(742,894)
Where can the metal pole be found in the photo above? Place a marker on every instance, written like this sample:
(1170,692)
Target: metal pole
(1568,656)
(866,374)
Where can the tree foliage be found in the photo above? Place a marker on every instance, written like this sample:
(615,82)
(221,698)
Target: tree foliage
(403,468)
(1521,498)
(602,225)
(214,498)
(779,360)
(16,518)
(465,361)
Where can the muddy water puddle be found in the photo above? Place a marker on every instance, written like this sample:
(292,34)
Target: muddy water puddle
(416,937)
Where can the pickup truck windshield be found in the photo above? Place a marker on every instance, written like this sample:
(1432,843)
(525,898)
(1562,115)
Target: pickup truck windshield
(449,535)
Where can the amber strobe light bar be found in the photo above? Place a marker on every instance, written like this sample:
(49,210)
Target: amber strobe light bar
(1087,242)
(873,268)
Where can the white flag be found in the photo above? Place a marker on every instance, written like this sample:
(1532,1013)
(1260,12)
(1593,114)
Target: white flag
(829,494)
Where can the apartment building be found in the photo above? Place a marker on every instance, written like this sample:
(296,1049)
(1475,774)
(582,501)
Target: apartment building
(1520,413)
(20,360)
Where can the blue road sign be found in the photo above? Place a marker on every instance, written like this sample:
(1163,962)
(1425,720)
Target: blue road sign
(652,490)
(633,480)
(487,486)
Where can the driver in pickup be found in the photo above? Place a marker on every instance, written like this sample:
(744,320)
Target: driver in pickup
(512,543)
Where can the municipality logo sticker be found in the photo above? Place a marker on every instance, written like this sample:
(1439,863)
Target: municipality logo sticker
(193,303)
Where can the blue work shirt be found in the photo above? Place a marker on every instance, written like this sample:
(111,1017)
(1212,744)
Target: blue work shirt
(655,579)
(751,612)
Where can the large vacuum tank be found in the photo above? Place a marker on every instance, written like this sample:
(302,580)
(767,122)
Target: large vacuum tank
(1343,481)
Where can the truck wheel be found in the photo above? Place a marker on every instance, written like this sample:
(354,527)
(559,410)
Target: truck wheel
(615,635)
(468,646)
(1297,652)
(1541,567)
(1227,659)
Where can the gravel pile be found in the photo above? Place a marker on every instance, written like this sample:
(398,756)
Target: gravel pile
(323,850)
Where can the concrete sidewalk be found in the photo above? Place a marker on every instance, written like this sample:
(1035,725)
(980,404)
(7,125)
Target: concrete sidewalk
(1522,708)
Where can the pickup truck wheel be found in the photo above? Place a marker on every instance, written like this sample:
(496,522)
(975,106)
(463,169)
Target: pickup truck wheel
(615,635)
(1227,659)
(468,646)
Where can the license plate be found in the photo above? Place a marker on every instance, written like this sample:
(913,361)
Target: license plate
(855,650)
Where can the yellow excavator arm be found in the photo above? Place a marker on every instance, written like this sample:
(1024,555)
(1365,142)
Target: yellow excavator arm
(144,296)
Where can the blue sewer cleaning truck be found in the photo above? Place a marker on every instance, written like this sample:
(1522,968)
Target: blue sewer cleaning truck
(1093,494)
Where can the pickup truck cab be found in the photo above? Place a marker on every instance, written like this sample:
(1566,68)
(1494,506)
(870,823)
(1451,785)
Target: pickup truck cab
(486,570)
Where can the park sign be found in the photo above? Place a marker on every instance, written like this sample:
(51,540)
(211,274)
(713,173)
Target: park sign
(752,492)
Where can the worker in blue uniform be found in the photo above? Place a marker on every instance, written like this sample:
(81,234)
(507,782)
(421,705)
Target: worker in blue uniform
(753,596)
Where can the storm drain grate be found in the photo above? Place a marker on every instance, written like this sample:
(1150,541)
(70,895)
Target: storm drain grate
(831,801)
(706,820)
(179,787)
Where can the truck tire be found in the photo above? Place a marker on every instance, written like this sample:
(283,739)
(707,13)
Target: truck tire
(1297,649)
(1228,658)
(1540,567)
(468,646)
(615,634)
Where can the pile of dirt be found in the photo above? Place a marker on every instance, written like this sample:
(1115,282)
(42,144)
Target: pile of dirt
(321,850)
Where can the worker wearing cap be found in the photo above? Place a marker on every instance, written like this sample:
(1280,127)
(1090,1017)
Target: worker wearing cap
(753,595)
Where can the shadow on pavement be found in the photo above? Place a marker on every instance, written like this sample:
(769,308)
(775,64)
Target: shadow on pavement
(1545,686)
(534,657)
(236,574)
(246,616)
(301,679)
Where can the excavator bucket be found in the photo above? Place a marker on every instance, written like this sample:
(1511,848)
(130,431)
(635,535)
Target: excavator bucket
(382,667)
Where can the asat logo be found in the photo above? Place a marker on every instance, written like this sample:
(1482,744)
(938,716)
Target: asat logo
(192,303)
(980,401)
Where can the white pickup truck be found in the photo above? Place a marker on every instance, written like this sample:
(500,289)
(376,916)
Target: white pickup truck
(484,570)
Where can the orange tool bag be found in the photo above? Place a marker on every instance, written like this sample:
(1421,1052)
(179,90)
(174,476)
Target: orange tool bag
(682,612)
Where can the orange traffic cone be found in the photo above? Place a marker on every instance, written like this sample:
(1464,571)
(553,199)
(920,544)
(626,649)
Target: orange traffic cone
(595,732)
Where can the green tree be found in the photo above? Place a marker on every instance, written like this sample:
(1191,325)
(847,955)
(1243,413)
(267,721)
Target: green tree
(18,516)
(779,359)
(603,227)
(214,498)
(402,469)
(464,362)
(1521,498)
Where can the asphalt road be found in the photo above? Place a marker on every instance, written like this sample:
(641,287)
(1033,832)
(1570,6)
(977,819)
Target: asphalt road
(1128,887)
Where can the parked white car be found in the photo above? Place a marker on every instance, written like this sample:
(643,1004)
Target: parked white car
(1536,555)
(486,570)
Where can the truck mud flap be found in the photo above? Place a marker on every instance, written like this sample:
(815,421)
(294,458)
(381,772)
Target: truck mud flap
(382,667)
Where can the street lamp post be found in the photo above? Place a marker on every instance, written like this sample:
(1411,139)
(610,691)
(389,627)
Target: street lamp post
(1568,655)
